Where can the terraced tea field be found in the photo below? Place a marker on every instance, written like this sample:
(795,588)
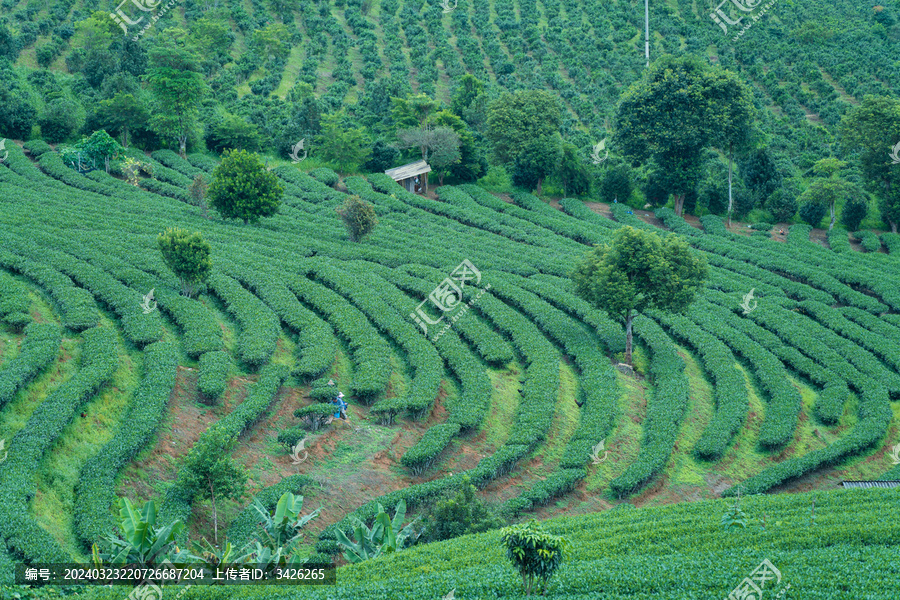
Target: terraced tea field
(101,397)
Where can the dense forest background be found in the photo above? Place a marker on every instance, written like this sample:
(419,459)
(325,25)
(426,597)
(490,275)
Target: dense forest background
(274,72)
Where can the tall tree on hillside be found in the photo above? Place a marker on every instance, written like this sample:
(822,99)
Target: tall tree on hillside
(439,146)
(178,88)
(524,129)
(874,126)
(637,271)
(209,473)
(828,188)
(678,108)
(347,147)
(123,112)
(733,113)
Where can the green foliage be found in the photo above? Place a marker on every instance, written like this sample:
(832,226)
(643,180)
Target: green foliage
(242,188)
(95,492)
(812,213)
(142,542)
(653,122)
(616,184)
(213,378)
(177,87)
(208,472)
(874,127)
(460,514)
(535,553)
(853,213)
(735,517)
(280,531)
(40,347)
(59,120)
(521,122)
(346,147)
(233,132)
(358,216)
(187,255)
(384,537)
(245,526)
(782,204)
(639,270)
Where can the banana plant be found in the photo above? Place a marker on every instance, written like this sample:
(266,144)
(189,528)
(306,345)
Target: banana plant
(384,537)
(142,542)
(283,527)
(212,557)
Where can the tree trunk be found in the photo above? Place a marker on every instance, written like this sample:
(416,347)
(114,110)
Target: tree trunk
(832,217)
(730,199)
(540,185)
(182,145)
(628,318)
(125,137)
(212,495)
(679,204)
(893,226)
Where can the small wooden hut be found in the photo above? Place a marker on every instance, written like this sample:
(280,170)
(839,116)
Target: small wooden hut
(413,177)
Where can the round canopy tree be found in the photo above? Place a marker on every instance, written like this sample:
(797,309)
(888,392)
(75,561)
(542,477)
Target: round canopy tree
(242,188)
(637,271)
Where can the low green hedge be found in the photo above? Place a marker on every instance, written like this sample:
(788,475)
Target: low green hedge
(39,349)
(95,491)
(213,378)
(421,456)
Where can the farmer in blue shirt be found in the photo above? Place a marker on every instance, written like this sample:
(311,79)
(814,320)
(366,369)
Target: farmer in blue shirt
(341,407)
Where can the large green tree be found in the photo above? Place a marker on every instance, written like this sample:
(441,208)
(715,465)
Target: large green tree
(639,270)
(345,146)
(242,188)
(122,113)
(827,189)
(521,118)
(177,88)
(874,127)
(679,107)
(187,254)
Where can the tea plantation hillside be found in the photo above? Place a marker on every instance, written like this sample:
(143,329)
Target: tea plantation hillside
(104,388)
(677,552)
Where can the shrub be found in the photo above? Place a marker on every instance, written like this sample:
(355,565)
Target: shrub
(358,216)
(782,204)
(457,515)
(213,377)
(854,212)
(535,553)
(325,175)
(187,255)
(812,213)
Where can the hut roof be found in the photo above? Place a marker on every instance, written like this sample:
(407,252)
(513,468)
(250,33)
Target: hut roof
(407,171)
